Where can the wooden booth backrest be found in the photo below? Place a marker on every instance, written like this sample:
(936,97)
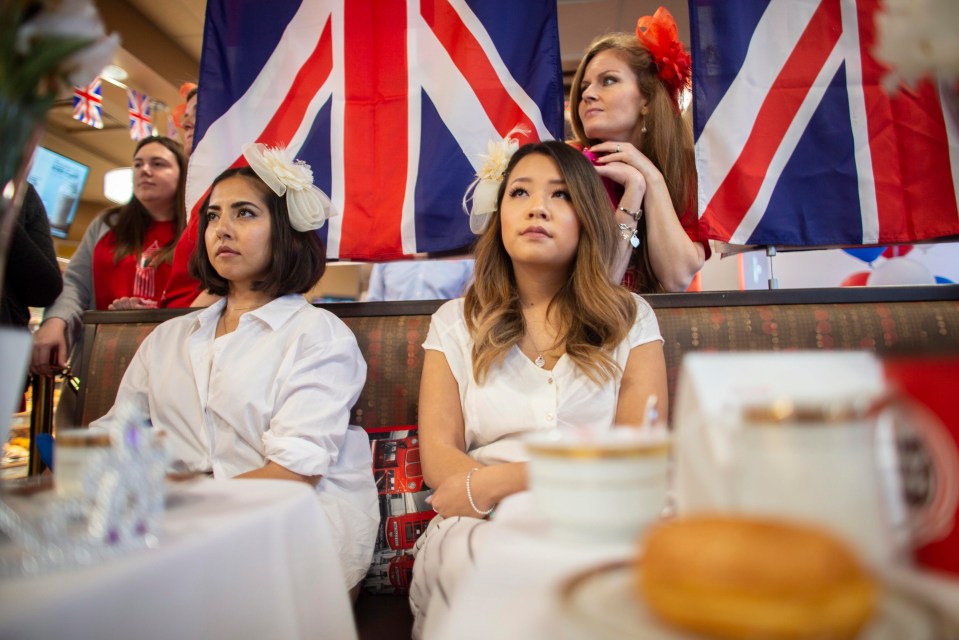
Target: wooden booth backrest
(889,321)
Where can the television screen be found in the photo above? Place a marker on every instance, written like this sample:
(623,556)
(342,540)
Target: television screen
(59,181)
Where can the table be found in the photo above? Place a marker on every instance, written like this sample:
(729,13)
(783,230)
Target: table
(513,591)
(237,559)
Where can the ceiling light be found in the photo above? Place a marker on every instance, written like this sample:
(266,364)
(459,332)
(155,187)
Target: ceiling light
(118,185)
(113,72)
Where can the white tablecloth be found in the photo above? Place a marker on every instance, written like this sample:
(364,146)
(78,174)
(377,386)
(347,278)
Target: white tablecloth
(237,559)
(513,591)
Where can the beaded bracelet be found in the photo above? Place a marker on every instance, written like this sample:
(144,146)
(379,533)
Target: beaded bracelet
(469,495)
(627,232)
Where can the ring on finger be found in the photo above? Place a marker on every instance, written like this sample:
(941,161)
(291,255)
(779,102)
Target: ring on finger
(618,147)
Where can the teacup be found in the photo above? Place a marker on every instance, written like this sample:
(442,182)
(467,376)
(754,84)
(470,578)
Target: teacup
(599,485)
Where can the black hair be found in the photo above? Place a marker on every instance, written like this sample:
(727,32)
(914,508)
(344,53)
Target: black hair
(298,258)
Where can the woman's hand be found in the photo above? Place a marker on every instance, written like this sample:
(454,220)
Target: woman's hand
(488,485)
(631,178)
(625,152)
(449,499)
(274,471)
(49,348)
(623,163)
(126,304)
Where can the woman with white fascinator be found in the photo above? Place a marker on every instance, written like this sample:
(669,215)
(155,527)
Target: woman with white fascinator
(542,339)
(260,384)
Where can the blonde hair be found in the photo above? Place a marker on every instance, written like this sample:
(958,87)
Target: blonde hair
(668,141)
(596,314)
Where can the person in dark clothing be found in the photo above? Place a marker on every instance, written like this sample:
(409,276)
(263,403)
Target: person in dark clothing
(33,277)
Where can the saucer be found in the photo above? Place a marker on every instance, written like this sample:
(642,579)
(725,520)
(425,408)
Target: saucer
(601,604)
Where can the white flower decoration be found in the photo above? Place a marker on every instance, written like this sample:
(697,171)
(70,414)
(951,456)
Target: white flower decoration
(85,65)
(497,157)
(74,19)
(60,22)
(479,201)
(309,207)
(292,174)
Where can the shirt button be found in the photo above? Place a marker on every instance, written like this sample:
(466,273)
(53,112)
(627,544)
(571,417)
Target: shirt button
(549,380)
(549,417)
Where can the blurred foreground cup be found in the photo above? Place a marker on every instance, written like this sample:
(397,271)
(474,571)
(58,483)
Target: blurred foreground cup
(596,485)
(932,384)
(808,436)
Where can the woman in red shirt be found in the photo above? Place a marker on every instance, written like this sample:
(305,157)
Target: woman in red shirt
(625,112)
(123,261)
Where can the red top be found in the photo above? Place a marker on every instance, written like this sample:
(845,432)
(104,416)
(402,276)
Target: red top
(132,275)
(181,289)
(690,222)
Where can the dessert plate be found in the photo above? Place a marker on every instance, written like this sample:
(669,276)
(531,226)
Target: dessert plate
(602,604)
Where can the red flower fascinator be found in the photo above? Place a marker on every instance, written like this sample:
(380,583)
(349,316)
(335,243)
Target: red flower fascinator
(659,34)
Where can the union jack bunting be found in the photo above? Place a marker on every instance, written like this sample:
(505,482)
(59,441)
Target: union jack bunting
(798,144)
(88,104)
(389,101)
(171,130)
(140,120)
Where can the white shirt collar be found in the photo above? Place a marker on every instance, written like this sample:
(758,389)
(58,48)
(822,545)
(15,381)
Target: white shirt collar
(274,313)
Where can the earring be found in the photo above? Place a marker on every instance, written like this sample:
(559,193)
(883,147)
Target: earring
(643,130)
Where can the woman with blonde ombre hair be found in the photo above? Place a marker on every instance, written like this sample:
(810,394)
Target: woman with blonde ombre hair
(625,113)
(543,339)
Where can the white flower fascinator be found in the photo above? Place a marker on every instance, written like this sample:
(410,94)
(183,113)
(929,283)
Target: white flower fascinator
(309,207)
(479,201)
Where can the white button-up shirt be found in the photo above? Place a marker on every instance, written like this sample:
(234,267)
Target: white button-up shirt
(280,387)
(518,397)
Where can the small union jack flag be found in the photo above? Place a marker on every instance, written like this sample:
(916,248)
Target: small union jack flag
(88,104)
(140,119)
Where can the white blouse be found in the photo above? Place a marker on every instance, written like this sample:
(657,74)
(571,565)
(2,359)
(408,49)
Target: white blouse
(518,397)
(278,388)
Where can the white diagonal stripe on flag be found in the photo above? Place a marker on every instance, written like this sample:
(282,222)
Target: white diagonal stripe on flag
(859,120)
(786,147)
(772,43)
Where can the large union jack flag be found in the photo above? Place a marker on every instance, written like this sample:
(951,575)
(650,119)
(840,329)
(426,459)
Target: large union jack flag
(389,101)
(88,104)
(796,141)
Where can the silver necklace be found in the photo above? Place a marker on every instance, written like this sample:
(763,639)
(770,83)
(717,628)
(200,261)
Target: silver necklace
(540,361)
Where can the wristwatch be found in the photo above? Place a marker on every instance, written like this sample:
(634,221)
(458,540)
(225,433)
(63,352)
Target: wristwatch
(635,215)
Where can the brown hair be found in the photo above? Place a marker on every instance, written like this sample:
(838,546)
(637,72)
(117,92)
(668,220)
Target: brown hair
(668,141)
(596,313)
(297,258)
(131,221)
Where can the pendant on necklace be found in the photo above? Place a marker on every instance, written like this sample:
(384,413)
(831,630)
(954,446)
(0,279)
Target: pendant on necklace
(540,361)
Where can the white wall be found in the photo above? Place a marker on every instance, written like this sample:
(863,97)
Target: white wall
(821,268)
